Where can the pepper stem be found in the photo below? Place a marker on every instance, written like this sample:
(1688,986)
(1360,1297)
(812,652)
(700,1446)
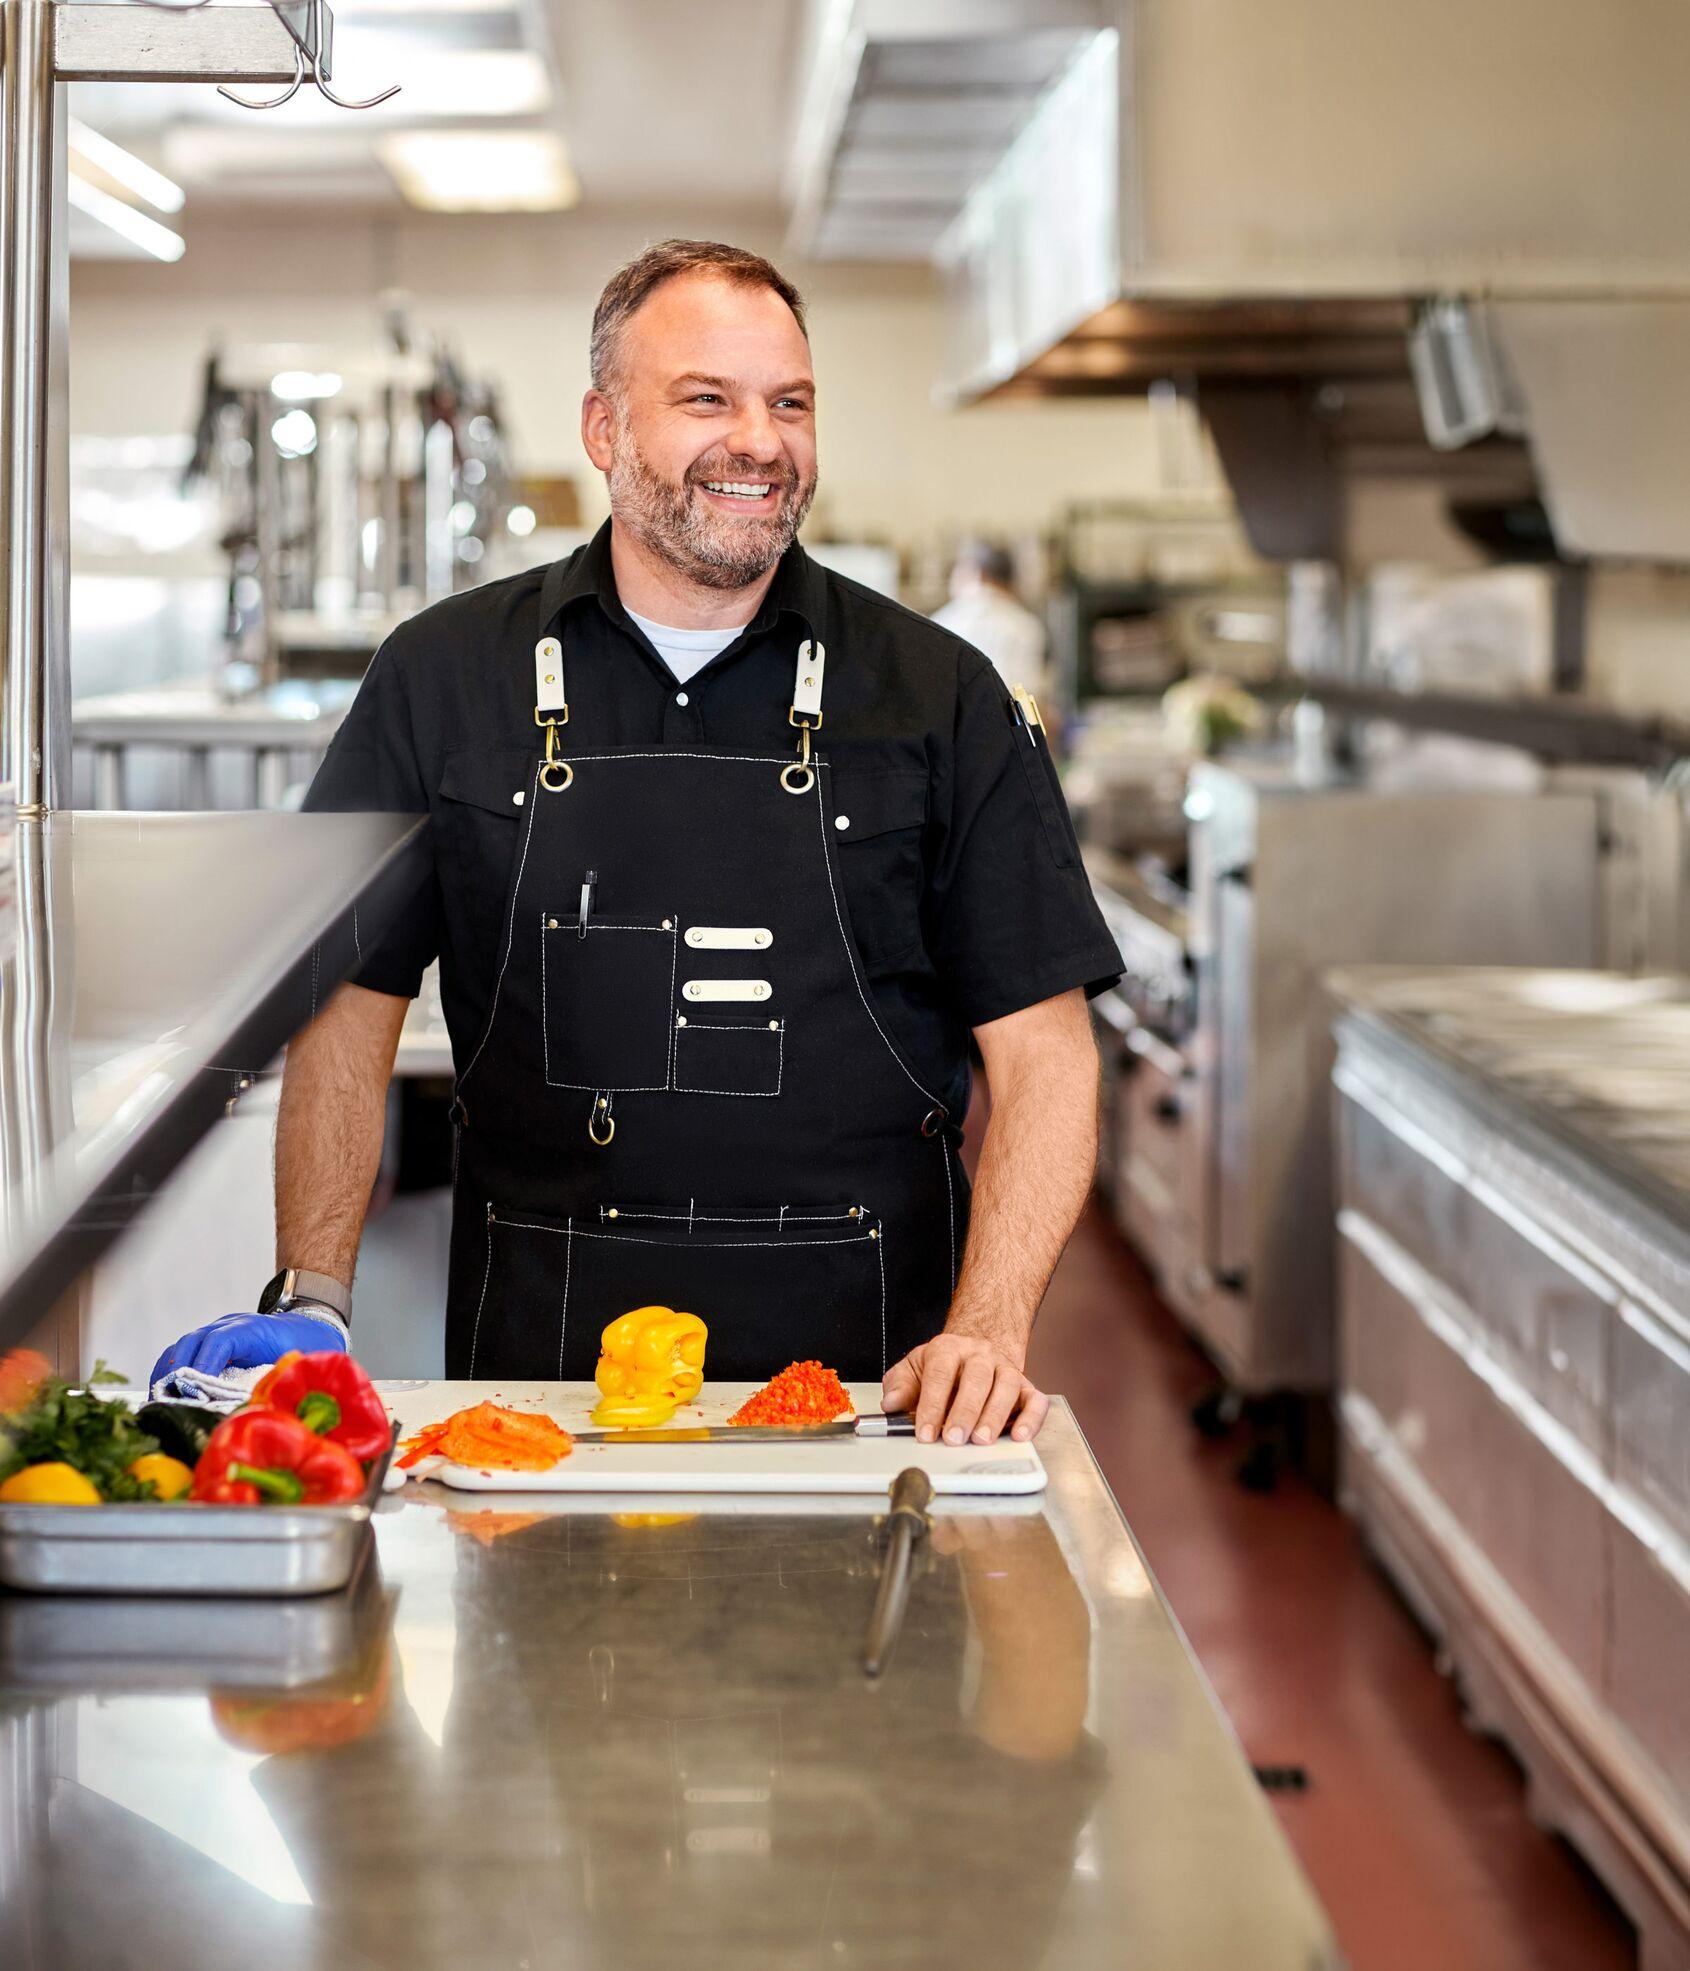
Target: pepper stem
(285,1488)
(318,1411)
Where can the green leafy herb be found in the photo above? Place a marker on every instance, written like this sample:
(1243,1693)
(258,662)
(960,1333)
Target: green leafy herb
(73,1426)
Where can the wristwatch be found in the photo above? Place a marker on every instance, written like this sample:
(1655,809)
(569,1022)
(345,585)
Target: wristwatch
(291,1287)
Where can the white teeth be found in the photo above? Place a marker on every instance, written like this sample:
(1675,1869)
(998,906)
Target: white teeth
(739,489)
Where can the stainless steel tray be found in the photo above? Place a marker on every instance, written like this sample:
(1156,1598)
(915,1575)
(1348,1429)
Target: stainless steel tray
(156,1549)
(107,1643)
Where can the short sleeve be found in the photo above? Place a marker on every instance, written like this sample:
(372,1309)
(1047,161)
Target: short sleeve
(1010,919)
(371,766)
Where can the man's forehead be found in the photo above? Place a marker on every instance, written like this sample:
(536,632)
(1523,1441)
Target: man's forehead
(706,327)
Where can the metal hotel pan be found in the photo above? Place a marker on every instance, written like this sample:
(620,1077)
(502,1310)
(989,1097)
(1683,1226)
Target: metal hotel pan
(131,1643)
(157,1549)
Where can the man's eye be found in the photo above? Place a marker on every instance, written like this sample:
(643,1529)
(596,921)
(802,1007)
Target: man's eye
(792,403)
(707,397)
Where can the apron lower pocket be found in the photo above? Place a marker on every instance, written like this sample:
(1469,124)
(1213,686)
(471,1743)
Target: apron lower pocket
(605,1000)
(773,1286)
(729,1057)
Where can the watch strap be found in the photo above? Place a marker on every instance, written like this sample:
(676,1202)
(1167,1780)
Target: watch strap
(294,1284)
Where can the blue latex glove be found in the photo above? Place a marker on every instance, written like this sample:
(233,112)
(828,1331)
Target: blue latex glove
(245,1341)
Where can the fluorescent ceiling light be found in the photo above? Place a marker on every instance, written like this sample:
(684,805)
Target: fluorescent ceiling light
(481,170)
(127,170)
(123,219)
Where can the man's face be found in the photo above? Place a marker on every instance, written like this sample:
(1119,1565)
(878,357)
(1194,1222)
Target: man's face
(711,441)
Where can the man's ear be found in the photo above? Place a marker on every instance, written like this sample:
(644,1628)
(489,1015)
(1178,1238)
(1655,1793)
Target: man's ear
(598,428)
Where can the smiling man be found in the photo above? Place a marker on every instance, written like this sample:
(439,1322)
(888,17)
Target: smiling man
(732,856)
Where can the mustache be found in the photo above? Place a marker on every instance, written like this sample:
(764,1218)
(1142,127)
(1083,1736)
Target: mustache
(781,471)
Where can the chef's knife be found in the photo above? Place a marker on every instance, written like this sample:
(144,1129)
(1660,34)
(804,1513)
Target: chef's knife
(829,1433)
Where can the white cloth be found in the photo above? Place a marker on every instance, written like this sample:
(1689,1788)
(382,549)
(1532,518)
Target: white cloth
(225,1392)
(1001,629)
(686,652)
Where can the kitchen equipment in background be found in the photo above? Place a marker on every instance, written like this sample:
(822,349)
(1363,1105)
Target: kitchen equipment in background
(350,495)
(1222,1158)
(1514,1394)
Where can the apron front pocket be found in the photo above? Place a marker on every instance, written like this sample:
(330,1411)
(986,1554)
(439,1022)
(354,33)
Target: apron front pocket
(729,1057)
(772,1285)
(605,1002)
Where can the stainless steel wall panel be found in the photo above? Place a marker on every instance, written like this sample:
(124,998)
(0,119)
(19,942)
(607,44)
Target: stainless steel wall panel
(1527,1498)
(1645,1683)
(1650,1402)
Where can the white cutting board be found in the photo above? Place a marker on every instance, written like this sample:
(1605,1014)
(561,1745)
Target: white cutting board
(850,1465)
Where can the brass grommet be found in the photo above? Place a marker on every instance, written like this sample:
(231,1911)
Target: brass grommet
(807,778)
(556,766)
(932,1122)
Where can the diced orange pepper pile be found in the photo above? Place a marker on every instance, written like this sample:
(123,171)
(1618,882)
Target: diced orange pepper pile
(489,1436)
(805,1393)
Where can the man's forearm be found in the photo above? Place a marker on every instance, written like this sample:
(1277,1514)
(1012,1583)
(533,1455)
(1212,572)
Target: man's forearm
(329,1129)
(1036,1167)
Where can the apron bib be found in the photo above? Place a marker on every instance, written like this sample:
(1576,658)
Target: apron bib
(685,1094)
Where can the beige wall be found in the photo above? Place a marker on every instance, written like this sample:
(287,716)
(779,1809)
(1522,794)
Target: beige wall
(514,298)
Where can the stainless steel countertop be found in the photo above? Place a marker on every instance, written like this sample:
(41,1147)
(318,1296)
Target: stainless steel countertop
(562,1735)
(150,965)
(1599,1060)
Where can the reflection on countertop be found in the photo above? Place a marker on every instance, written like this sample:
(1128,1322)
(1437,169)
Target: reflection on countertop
(633,1738)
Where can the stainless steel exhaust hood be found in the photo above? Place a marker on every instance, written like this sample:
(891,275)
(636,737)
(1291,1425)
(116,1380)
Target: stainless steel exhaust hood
(1263,200)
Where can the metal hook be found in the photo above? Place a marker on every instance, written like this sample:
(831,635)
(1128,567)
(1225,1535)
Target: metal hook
(275,102)
(317,76)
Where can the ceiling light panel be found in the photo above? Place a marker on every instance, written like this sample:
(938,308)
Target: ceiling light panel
(481,170)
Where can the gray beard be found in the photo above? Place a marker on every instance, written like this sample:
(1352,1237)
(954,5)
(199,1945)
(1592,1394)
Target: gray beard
(707,548)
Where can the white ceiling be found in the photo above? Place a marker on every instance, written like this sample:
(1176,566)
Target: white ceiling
(654,99)
(665,95)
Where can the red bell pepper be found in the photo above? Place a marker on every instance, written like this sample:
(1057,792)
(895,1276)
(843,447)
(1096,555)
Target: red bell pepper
(331,1394)
(266,1457)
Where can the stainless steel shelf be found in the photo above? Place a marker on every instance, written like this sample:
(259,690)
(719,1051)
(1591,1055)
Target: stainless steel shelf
(153,965)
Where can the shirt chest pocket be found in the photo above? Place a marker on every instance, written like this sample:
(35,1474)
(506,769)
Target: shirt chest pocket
(878,818)
(478,822)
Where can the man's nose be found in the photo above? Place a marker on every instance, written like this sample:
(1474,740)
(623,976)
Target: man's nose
(755,435)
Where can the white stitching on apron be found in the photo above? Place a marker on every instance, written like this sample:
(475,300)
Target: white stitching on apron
(850,959)
(510,934)
(475,1337)
(880,1248)
(563,1325)
(950,1201)
(725,1245)
(594,1087)
(737,1094)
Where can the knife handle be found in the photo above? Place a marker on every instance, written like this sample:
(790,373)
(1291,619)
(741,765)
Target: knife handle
(876,1425)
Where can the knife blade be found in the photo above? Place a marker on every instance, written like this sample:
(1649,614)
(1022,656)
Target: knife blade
(873,1425)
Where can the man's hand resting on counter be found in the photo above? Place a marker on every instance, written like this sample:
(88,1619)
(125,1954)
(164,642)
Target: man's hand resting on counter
(965,1386)
(1036,1167)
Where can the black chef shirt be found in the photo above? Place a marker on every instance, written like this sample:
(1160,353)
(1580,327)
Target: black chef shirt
(961,875)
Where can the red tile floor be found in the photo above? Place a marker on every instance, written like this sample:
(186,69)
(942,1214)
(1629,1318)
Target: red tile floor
(1414,1832)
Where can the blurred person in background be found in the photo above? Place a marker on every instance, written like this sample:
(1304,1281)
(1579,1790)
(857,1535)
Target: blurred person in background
(984,610)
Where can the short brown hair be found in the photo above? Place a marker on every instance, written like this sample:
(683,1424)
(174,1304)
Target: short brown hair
(629,288)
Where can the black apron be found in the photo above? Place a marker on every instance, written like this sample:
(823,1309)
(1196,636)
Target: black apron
(684,1094)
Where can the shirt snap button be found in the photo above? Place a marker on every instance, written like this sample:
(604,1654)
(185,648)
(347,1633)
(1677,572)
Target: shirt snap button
(681,698)
(520,796)
(841,821)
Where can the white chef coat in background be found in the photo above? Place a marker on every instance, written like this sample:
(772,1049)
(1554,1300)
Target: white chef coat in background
(1000,628)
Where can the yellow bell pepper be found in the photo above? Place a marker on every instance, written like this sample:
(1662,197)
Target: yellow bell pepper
(168,1476)
(653,1352)
(633,1412)
(48,1485)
